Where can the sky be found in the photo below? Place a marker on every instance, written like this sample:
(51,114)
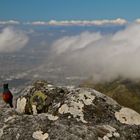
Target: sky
(32,10)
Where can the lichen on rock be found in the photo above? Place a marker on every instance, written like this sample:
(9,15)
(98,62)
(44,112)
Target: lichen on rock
(1,130)
(38,100)
(75,105)
(128,116)
(54,113)
(40,136)
(21,104)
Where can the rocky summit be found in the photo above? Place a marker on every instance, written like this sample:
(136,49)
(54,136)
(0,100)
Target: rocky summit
(48,112)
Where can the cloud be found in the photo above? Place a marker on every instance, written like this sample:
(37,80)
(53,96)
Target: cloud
(105,57)
(12,40)
(137,21)
(13,22)
(38,23)
(117,21)
(88,22)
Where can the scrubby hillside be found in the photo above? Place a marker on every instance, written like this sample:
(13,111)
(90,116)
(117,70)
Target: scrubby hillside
(45,111)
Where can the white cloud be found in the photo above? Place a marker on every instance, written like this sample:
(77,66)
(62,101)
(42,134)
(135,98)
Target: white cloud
(12,40)
(118,21)
(105,57)
(88,22)
(9,22)
(137,21)
(81,41)
(39,23)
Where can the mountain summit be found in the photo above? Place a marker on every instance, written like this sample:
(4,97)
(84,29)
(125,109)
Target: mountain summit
(45,111)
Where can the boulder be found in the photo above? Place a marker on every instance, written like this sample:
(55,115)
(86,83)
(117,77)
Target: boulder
(48,112)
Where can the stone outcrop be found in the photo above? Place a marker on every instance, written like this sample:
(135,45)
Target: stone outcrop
(125,91)
(46,112)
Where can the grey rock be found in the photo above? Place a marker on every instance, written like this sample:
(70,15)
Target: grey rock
(44,111)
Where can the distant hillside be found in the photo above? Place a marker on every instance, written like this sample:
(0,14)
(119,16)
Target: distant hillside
(125,92)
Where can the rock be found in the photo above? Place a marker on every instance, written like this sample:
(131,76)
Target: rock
(21,103)
(128,116)
(45,112)
(39,136)
(125,91)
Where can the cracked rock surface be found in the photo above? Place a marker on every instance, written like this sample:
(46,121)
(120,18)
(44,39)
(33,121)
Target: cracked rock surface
(47,112)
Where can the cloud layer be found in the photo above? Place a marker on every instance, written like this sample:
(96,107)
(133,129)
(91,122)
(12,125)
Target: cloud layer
(118,21)
(105,57)
(9,22)
(12,40)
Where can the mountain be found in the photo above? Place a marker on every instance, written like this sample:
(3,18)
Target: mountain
(44,111)
(126,92)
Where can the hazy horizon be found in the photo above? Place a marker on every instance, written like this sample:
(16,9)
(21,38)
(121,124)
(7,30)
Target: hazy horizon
(67,42)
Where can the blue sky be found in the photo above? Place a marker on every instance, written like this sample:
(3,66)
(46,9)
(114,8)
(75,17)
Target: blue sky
(30,10)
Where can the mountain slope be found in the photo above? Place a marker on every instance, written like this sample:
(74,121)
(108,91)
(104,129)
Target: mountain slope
(125,92)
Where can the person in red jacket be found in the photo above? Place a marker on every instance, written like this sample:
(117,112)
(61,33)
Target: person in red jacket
(7,95)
